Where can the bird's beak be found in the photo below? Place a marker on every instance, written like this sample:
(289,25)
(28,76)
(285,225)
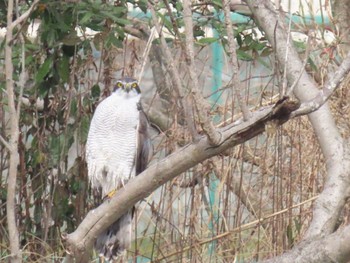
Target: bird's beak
(127,87)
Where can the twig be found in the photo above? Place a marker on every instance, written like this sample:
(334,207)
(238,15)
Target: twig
(333,146)
(307,53)
(285,82)
(23,17)
(22,77)
(208,128)
(4,142)
(175,76)
(145,53)
(235,83)
(237,229)
(329,88)
(173,22)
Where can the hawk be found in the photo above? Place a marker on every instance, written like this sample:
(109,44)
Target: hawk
(117,149)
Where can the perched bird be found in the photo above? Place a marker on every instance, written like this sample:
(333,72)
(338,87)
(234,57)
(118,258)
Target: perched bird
(117,149)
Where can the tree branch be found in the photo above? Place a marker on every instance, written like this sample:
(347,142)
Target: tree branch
(13,143)
(334,148)
(235,82)
(163,171)
(175,76)
(329,88)
(330,249)
(201,108)
(145,54)
(14,132)
(24,16)
(249,225)
(5,143)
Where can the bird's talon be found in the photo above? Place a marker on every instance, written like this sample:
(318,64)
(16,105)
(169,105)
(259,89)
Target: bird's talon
(110,194)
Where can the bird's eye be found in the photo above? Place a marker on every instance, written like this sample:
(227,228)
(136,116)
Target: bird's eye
(119,85)
(134,85)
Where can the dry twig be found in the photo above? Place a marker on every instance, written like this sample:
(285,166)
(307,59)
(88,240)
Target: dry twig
(235,83)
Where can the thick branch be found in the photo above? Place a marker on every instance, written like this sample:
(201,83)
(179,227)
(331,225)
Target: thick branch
(330,249)
(13,143)
(202,111)
(14,133)
(334,149)
(163,171)
(341,11)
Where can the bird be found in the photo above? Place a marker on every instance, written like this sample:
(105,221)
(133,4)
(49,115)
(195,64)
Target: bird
(118,148)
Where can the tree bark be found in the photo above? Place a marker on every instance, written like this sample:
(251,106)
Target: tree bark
(335,192)
(13,144)
(330,249)
(200,106)
(342,17)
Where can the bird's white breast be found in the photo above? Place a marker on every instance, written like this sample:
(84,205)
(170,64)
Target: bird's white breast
(112,142)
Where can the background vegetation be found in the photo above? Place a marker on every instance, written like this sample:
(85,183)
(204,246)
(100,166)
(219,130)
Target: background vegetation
(252,202)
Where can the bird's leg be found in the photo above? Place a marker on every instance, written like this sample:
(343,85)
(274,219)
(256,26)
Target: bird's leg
(109,195)
(114,191)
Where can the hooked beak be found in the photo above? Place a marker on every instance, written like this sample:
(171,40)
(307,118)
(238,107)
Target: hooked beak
(127,87)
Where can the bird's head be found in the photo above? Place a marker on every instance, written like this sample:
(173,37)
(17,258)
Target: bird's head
(127,85)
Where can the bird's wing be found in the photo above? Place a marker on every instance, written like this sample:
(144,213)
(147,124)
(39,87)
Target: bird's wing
(144,147)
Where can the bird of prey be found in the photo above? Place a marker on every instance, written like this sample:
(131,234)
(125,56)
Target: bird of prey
(117,149)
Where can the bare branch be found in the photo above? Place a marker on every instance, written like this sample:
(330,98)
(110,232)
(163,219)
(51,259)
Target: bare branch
(13,143)
(235,83)
(168,168)
(22,77)
(311,36)
(202,111)
(146,53)
(240,228)
(329,88)
(334,148)
(24,16)
(142,31)
(284,81)
(175,76)
(332,248)
(4,142)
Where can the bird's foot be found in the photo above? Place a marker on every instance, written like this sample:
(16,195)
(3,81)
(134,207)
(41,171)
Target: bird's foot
(109,195)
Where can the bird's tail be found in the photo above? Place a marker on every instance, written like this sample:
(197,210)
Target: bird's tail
(113,242)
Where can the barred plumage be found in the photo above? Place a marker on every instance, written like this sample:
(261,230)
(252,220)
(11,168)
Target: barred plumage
(117,149)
